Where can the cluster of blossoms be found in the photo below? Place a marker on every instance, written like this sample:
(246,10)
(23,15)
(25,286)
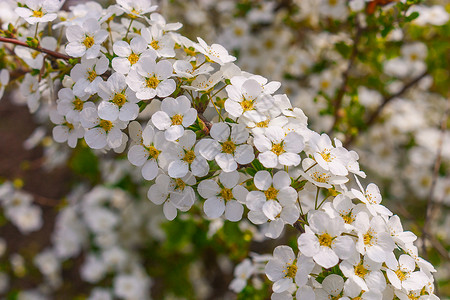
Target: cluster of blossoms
(207,135)
(390,112)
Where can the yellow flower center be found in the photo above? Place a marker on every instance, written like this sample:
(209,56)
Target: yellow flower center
(155,44)
(179,184)
(68,125)
(368,238)
(411,296)
(189,156)
(361,271)
(152,82)
(348,219)
(325,240)
(153,152)
(78,104)
(92,75)
(332,2)
(177,120)
(133,58)
(247,105)
(271,193)
(34,54)
(290,270)
(320,177)
(226,194)
(190,51)
(37,13)
(228,147)
(326,155)
(324,84)
(88,42)
(263,124)
(278,149)
(106,125)
(119,100)
(401,275)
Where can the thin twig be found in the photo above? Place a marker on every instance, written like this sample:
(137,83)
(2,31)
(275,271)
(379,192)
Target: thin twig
(40,49)
(341,92)
(374,116)
(437,165)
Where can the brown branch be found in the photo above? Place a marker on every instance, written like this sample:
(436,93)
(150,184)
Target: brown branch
(437,165)
(40,49)
(337,103)
(374,116)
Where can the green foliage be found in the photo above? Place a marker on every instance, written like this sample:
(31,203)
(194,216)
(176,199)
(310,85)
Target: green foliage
(85,164)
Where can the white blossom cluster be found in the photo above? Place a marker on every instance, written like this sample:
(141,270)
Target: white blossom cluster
(205,133)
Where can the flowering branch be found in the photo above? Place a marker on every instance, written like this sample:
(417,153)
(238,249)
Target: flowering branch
(40,49)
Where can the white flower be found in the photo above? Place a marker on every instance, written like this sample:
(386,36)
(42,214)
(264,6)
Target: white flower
(319,176)
(100,294)
(276,147)
(434,15)
(150,152)
(323,240)
(100,219)
(93,269)
(130,287)
(158,20)
(65,131)
(100,133)
(398,235)
(185,69)
(87,75)
(174,193)
(70,105)
(215,53)
(245,96)
(275,201)
(283,268)
(332,287)
(343,207)
(4,80)
(226,195)
(187,157)
(326,81)
(372,198)
(373,239)
(327,156)
(39,10)
(27,218)
(205,82)
(401,273)
(228,147)
(119,101)
(162,43)
(336,9)
(33,58)
(128,55)
(151,79)
(242,272)
(414,52)
(85,40)
(30,90)
(175,115)
(136,8)
(365,272)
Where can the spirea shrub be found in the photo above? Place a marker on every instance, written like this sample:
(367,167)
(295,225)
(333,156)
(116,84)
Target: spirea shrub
(202,139)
